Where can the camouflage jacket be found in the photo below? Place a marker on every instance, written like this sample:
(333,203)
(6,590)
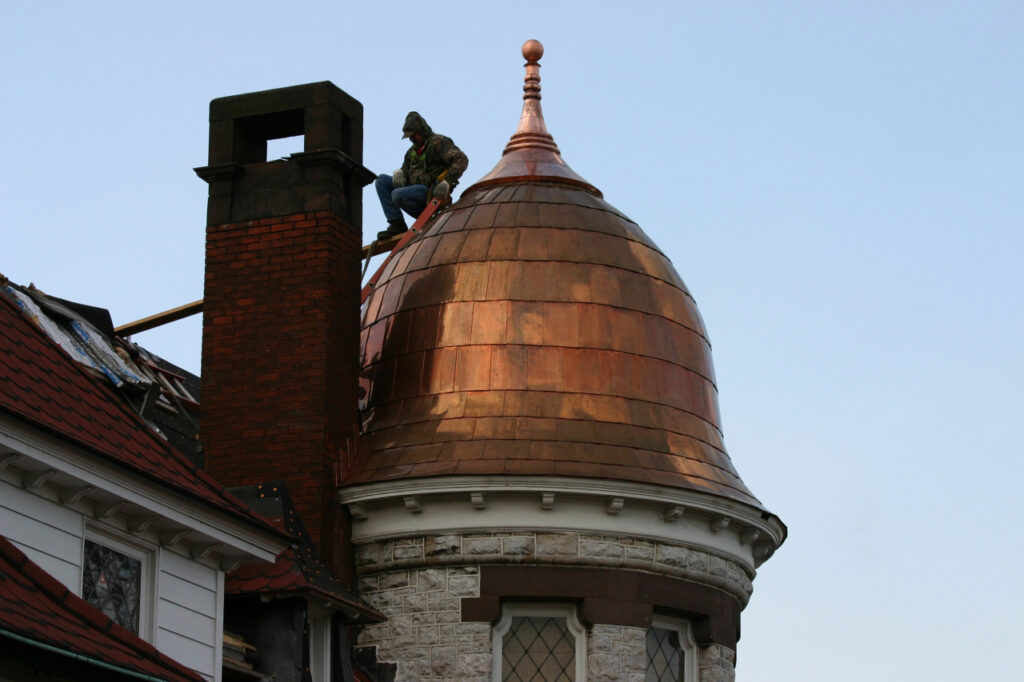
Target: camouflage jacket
(439,155)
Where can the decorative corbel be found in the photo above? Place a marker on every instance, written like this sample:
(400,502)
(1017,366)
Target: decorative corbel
(673,513)
(106,511)
(32,481)
(719,523)
(140,524)
(201,551)
(172,537)
(749,535)
(69,496)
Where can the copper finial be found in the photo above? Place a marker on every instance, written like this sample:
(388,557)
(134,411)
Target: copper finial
(531,131)
(531,152)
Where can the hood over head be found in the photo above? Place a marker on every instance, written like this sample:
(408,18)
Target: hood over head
(414,123)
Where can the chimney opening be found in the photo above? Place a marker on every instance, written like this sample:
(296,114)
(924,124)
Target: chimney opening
(283,147)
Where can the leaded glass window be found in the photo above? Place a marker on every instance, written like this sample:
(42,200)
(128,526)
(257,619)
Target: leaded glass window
(539,643)
(664,656)
(112,582)
(537,648)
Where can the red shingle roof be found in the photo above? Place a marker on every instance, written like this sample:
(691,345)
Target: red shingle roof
(35,606)
(297,569)
(41,384)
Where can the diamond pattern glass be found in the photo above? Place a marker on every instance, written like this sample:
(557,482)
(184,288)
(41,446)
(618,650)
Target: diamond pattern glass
(664,656)
(111,582)
(537,649)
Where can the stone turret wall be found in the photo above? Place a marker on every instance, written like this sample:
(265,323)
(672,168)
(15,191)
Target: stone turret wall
(577,549)
(420,582)
(424,634)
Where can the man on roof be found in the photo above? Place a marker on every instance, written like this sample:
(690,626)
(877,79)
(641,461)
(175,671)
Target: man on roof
(431,169)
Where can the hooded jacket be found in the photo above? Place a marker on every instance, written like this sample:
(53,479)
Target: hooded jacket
(439,155)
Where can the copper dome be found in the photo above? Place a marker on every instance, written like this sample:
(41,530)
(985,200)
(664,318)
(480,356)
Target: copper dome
(533,329)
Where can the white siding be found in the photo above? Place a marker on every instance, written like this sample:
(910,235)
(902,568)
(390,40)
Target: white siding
(49,534)
(186,616)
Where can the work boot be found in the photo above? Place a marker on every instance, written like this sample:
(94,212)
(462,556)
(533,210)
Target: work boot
(395,227)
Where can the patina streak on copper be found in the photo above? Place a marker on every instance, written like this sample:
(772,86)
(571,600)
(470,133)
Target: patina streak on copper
(535,329)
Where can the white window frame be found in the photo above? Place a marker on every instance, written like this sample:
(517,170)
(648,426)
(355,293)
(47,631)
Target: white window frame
(687,643)
(131,547)
(566,611)
(319,625)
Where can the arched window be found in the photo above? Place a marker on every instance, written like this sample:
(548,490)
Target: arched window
(671,651)
(539,641)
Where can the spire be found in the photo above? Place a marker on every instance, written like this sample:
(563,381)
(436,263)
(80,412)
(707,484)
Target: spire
(531,131)
(531,152)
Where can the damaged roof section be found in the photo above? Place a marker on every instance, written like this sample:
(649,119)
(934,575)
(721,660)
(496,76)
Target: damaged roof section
(41,385)
(165,395)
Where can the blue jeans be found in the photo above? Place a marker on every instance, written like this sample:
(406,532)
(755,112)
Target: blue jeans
(412,199)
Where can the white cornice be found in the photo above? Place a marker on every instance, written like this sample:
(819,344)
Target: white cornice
(79,473)
(467,504)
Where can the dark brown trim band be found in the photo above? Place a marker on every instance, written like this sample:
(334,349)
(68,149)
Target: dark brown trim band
(610,597)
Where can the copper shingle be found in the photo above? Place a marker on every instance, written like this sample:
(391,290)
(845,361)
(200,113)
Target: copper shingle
(536,330)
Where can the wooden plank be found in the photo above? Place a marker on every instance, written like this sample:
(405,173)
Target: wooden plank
(185,622)
(188,570)
(22,517)
(159,319)
(180,592)
(185,650)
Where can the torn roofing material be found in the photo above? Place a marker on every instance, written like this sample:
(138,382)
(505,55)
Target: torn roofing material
(40,384)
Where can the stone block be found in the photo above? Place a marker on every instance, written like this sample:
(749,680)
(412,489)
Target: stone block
(428,635)
(402,624)
(409,552)
(600,549)
(473,628)
(394,579)
(470,665)
(557,544)
(411,671)
(603,667)
(671,556)
(442,661)
(517,546)
(640,553)
(374,554)
(442,545)
(415,652)
(430,579)
(697,564)
(464,586)
(475,547)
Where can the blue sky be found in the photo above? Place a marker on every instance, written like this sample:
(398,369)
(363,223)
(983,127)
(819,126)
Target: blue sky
(841,186)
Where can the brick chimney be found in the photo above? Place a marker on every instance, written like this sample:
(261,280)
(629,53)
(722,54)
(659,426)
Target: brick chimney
(281,301)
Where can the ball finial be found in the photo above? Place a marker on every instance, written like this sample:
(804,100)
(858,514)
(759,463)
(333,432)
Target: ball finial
(533,51)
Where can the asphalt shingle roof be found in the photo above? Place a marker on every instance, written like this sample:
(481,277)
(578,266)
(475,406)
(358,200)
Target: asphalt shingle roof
(41,384)
(36,607)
